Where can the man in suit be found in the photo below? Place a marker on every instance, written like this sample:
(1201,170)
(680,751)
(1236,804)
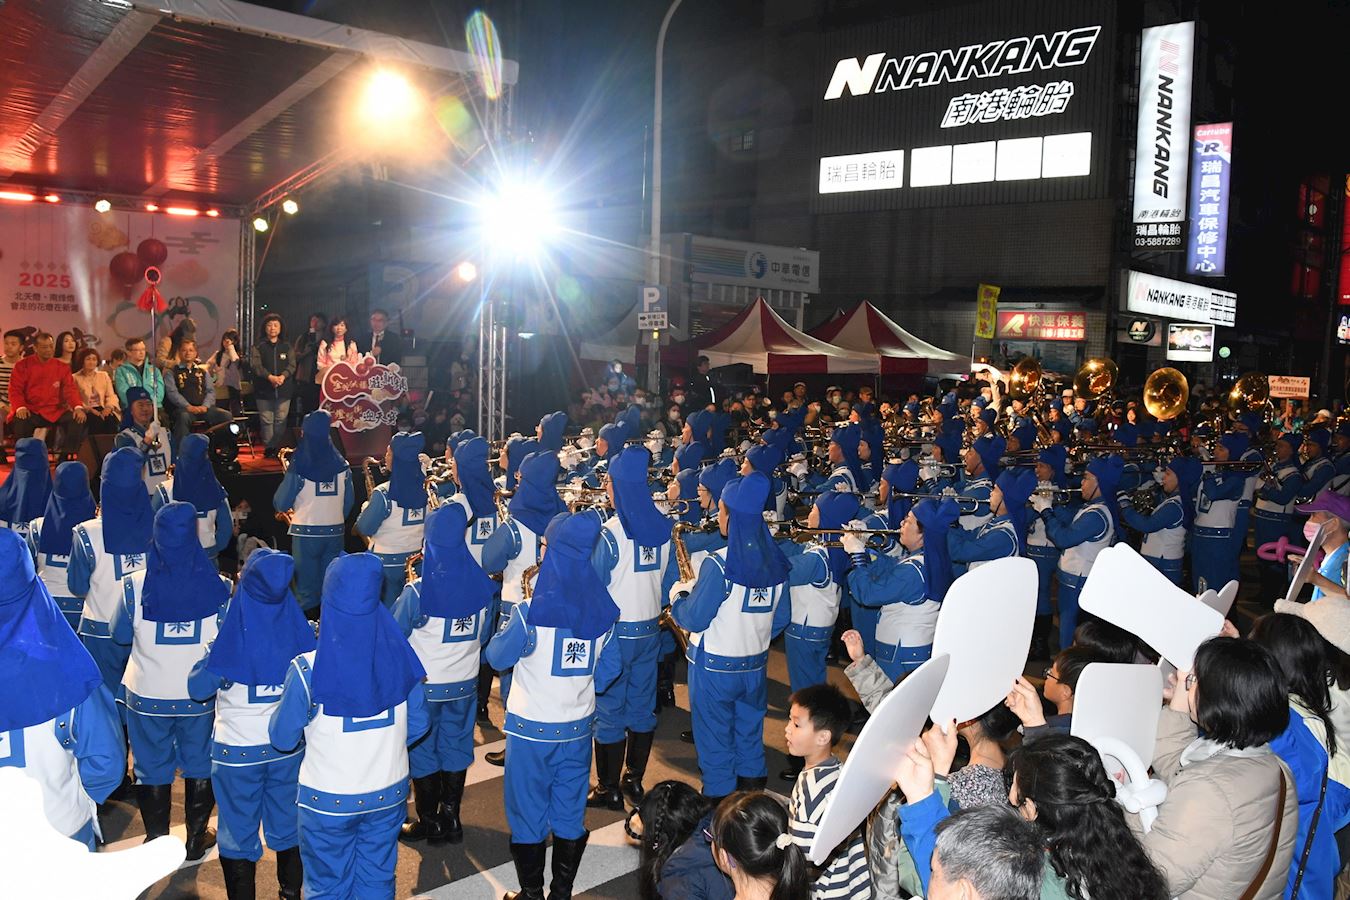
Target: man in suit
(386,346)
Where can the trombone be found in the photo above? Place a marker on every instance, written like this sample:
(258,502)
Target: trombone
(967,505)
(877,537)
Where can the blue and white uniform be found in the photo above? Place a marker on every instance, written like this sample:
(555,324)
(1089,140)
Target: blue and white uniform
(817,578)
(904,638)
(61,729)
(357,703)
(1317,473)
(395,513)
(215,527)
(1214,560)
(1164,532)
(317,489)
(1275,502)
(155,447)
(194,481)
(1080,535)
(254,782)
(52,536)
(24,493)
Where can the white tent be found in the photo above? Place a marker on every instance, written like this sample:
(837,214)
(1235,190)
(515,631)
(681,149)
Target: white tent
(759,337)
(621,341)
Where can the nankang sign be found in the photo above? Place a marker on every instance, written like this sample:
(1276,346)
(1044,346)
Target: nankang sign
(984,102)
(1162,140)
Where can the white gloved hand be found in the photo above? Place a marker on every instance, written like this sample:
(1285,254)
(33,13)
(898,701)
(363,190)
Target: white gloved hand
(799,469)
(928,472)
(1041,502)
(950,492)
(853,541)
(681,588)
(569,459)
(770,515)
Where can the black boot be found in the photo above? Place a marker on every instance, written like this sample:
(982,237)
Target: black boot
(529,860)
(608,763)
(154,801)
(794,768)
(199,800)
(639,749)
(240,878)
(484,691)
(566,861)
(757,783)
(427,803)
(452,792)
(665,682)
(290,873)
(495,757)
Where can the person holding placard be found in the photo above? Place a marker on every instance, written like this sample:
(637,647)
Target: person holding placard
(1165,528)
(1081,535)
(1332,510)
(909,590)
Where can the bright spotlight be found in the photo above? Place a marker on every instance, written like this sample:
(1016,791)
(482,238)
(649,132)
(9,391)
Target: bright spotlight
(519,219)
(389,98)
(260,224)
(466,271)
(102,205)
(289,206)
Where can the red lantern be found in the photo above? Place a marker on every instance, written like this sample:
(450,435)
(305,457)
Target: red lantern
(126,269)
(152,252)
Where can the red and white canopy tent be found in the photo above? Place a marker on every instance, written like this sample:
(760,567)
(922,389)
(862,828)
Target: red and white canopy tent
(759,337)
(867,330)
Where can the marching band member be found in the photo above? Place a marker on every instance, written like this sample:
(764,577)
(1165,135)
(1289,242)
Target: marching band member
(194,482)
(1318,470)
(1080,535)
(1340,457)
(168,615)
(357,702)
(1005,534)
(141,430)
(317,488)
(607,446)
(514,545)
(395,514)
(764,459)
(689,458)
(23,496)
(255,784)
(469,469)
(1165,528)
(58,723)
(549,431)
(1274,512)
(1249,425)
(447,617)
(980,466)
(946,452)
(738,604)
(560,642)
(1050,464)
(1213,552)
(909,589)
(516,448)
(103,551)
(816,579)
(52,534)
(630,558)
(663,454)
(1132,476)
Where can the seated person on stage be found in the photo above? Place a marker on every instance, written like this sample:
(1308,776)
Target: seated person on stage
(190,394)
(43,394)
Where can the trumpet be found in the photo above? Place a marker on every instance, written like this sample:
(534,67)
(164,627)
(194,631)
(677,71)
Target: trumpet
(877,537)
(967,505)
(945,470)
(1058,496)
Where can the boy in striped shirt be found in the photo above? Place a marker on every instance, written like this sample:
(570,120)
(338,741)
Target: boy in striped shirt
(816,722)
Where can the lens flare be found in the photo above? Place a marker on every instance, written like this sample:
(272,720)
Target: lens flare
(481,36)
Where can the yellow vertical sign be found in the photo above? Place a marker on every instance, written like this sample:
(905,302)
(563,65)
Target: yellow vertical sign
(986,311)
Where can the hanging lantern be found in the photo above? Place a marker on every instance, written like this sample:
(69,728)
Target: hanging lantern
(126,269)
(152,252)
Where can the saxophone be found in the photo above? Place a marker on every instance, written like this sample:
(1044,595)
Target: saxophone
(527,581)
(503,514)
(410,567)
(684,564)
(284,457)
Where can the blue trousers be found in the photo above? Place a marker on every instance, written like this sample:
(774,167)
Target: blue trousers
(350,857)
(1240,525)
(1169,567)
(395,577)
(545,788)
(249,796)
(163,744)
(667,643)
(1046,560)
(728,718)
(448,745)
(111,659)
(312,555)
(629,704)
(1070,586)
(865,619)
(1214,560)
(806,661)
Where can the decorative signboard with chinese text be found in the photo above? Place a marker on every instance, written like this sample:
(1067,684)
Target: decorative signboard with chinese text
(363,396)
(1042,325)
(1166,59)
(1211,167)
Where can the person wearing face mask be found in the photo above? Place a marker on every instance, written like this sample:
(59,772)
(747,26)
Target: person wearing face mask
(1081,534)
(1332,511)
(1274,512)
(1165,528)
(673,424)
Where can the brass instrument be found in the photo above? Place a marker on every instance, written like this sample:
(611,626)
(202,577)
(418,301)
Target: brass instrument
(430,484)
(1096,378)
(1058,496)
(410,567)
(679,507)
(284,457)
(1026,383)
(503,514)
(1166,392)
(1145,498)
(579,498)
(877,537)
(967,505)
(685,566)
(370,474)
(527,581)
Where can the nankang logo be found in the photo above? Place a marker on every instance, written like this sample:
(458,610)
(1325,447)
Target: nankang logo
(879,73)
(757,264)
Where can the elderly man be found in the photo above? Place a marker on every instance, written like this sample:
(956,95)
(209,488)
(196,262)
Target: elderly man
(42,394)
(191,393)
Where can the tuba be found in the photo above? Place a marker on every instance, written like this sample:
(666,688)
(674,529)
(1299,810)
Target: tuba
(1096,378)
(1166,393)
(1250,393)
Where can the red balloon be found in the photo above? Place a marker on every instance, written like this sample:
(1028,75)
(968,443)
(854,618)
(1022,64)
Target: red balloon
(126,268)
(152,252)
